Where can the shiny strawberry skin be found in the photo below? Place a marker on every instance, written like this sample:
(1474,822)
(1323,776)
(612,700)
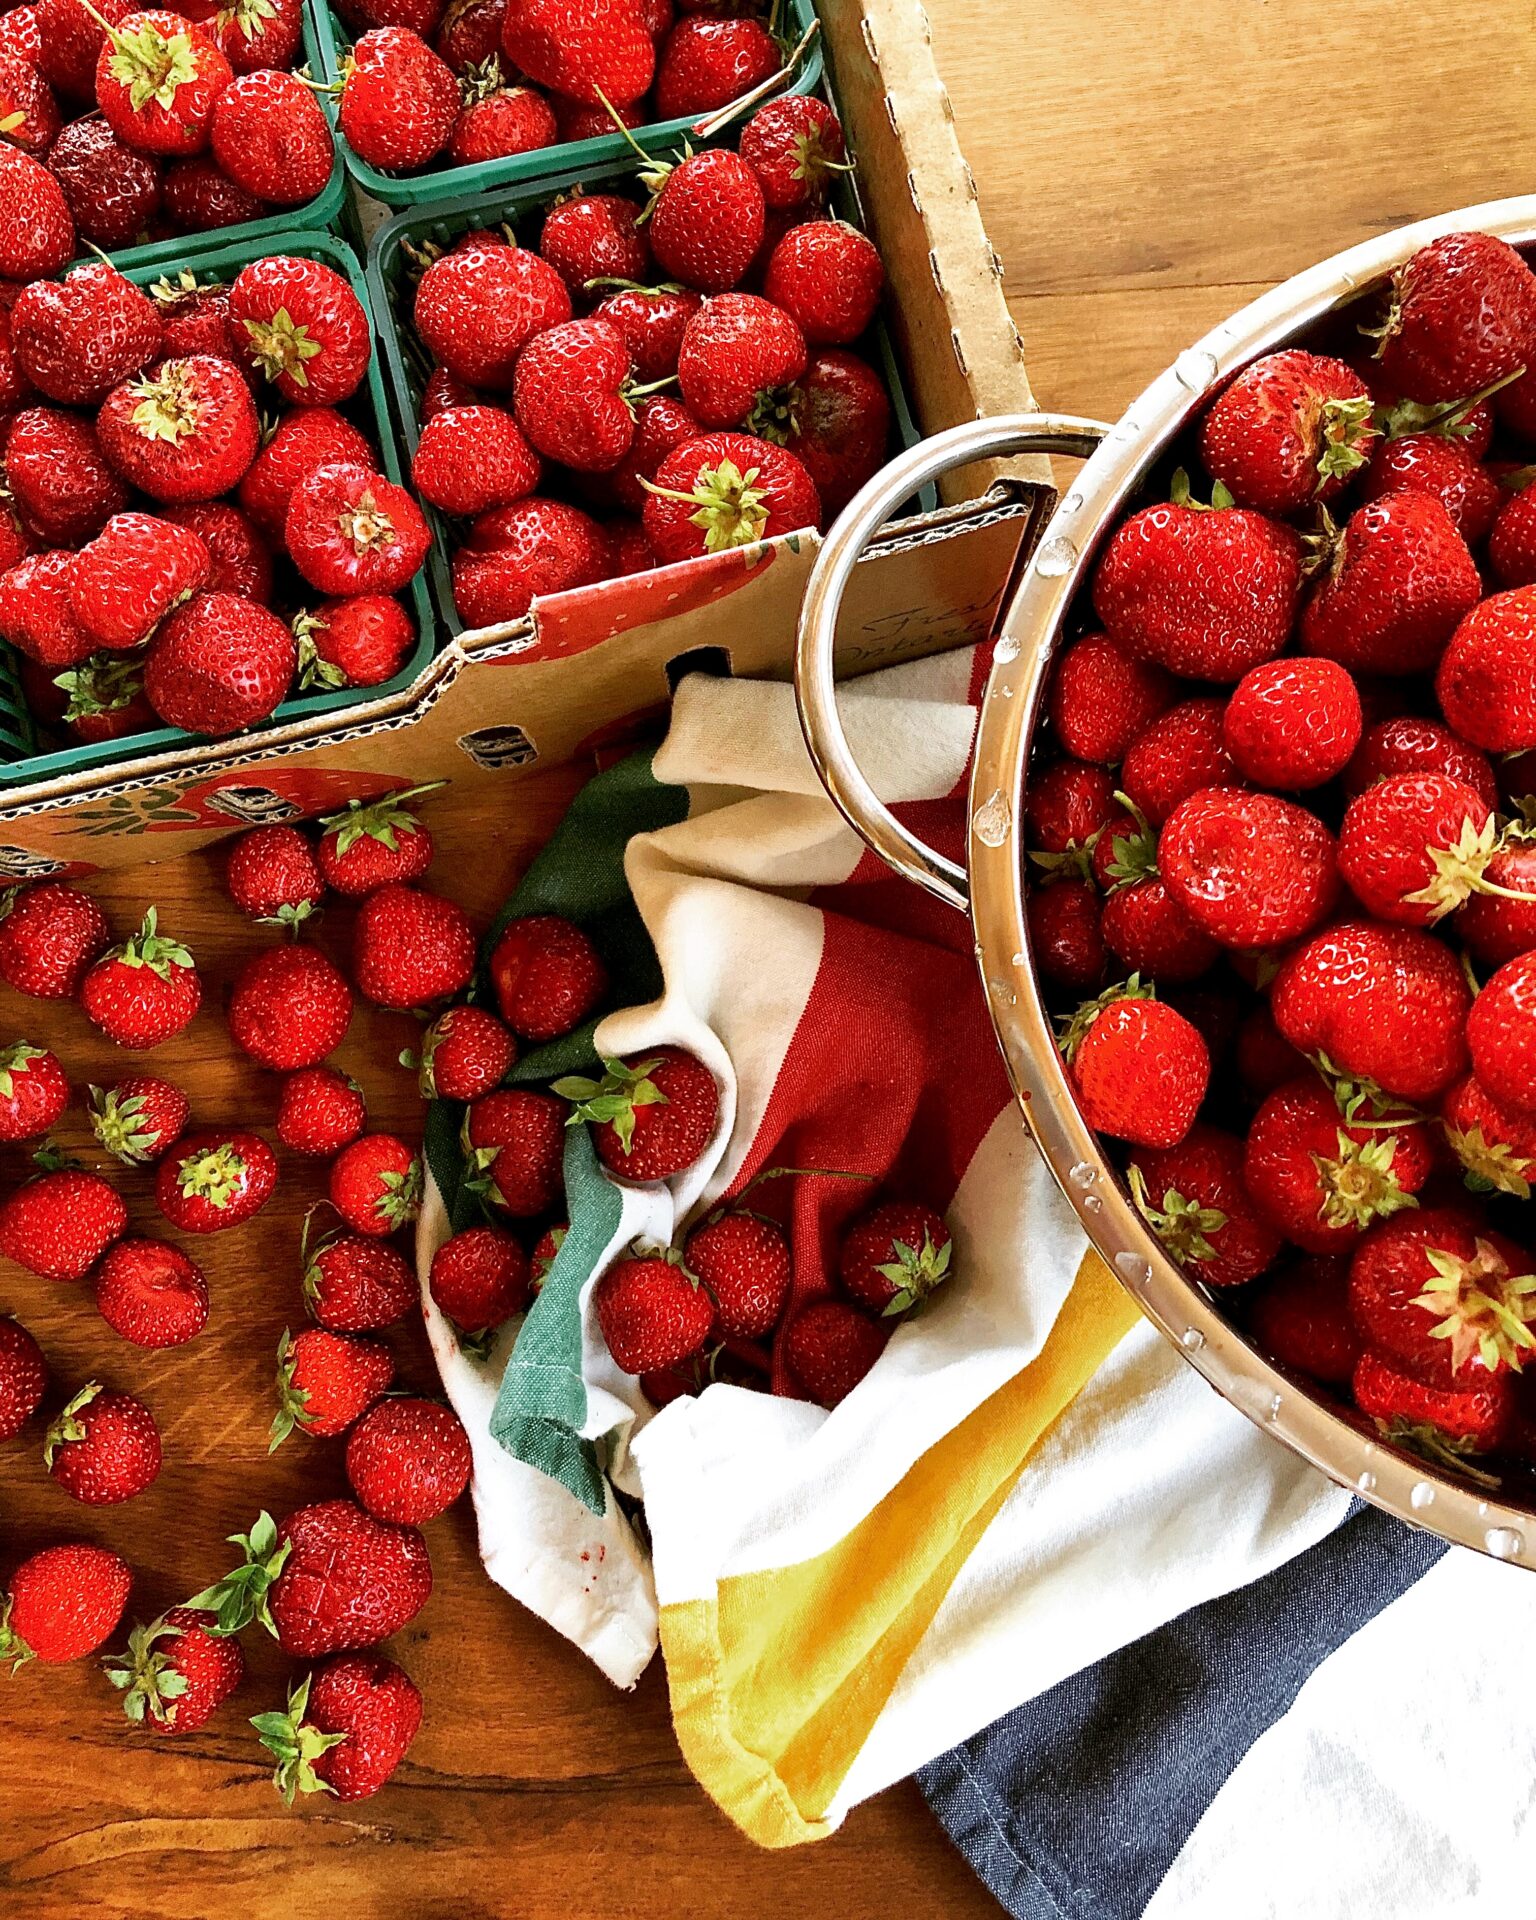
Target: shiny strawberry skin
(1102,698)
(840,424)
(58,1225)
(370,846)
(1427,463)
(472,459)
(72,40)
(60,479)
(1512,542)
(1391,1268)
(37,233)
(1501,1033)
(586,50)
(1141,1073)
(354,1283)
(289,1008)
(1463,314)
(1150,933)
(349,530)
(786,495)
(376,1706)
(33,1091)
(829,1348)
(706,64)
(114,1456)
(319,1112)
(301,327)
(1389,835)
(65,1601)
(470,33)
(792,144)
(208,1667)
(1494,1141)
(214,1180)
(258,36)
(670,1134)
(652,322)
(174,120)
(744,1266)
(270,136)
(135,572)
(1398,582)
(1476,1419)
(547,976)
(1250,869)
(408,1461)
(188,432)
(476,310)
(829,278)
(219,664)
(512,120)
(305,440)
(139,1118)
(1486,681)
(652,1314)
(327,1380)
(1204,1172)
(23,1377)
(359,640)
(517,1138)
(1066,804)
(37,614)
(661,423)
(400,101)
(569,398)
(479,1278)
(1496,929)
(1291,429)
(1300,1319)
(272,873)
(49,936)
(349,1580)
(1066,936)
(519,553)
(1292,723)
(737,352)
(27,107)
(1303,1166)
(465,1052)
(151,1294)
(708,222)
(113,192)
(1182,752)
(375,1185)
(595,236)
(1409,744)
(195,197)
(411,947)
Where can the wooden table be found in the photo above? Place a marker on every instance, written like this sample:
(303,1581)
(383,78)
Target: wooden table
(1143,171)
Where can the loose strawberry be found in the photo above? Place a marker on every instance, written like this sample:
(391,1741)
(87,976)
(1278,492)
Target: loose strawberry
(215,1179)
(302,328)
(1427,463)
(465,1053)
(1501,1033)
(595,51)
(408,1460)
(143,991)
(1486,681)
(1139,1067)
(349,530)
(517,554)
(1293,428)
(1395,584)
(1495,1142)
(185,432)
(547,976)
(37,234)
(273,877)
(354,1284)
(399,101)
(830,1348)
(651,1117)
(64,1602)
(726,490)
(1408,744)
(349,1581)
(177,1674)
(358,641)
(1102,698)
(1066,934)
(1323,1181)
(77,338)
(1462,314)
(289,1008)
(1293,724)
(1437,1294)
(103,1448)
(514,1141)
(475,311)
(411,947)
(473,458)
(59,1224)
(319,1111)
(375,1184)
(1249,869)
(743,1264)
(1193,1198)
(325,1381)
(592,237)
(345,1729)
(270,137)
(894,1256)
(652,1311)
(150,1293)
(794,145)
(60,479)
(23,1377)
(308,438)
(139,1119)
(479,1279)
(1300,1319)
(157,80)
(33,1091)
(374,845)
(708,219)
(219,664)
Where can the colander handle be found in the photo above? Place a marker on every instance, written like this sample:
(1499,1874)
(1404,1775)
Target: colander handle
(1000,437)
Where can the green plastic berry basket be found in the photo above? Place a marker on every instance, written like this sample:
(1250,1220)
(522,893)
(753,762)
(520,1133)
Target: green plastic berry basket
(20,760)
(445,183)
(391,286)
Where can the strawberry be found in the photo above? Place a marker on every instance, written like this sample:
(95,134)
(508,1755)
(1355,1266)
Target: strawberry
(708,218)
(71,38)
(476,310)
(144,990)
(514,1141)
(302,328)
(325,1381)
(547,976)
(219,664)
(1443,1298)
(49,936)
(473,458)
(794,145)
(347,1581)
(20,36)
(59,1223)
(501,121)
(1495,1142)
(29,113)
(1207,592)
(894,1256)
(829,278)
(652,1311)
(595,237)
(23,1377)
(726,490)
(1462,314)
(743,1264)
(64,1602)
(185,432)
(1139,1067)
(177,1686)
(151,1294)
(33,1091)
(408,1461)
(215,1180)
(1500,923)
(196,198)
(651,1117)
(37,615)
(1486,680)
(653,321)
(257,35)
(272,876)
(464,1053)
(594,51)
(571,395)
(1193,1198)
(1501,1033)
(304,440)
(399,101)
(706,64)
(1065,807)
(353,1284)
(135,572)
(157,79)
(738,352)
(1415,846)
(105,698)
(1066,934)
(470,33)
(1427,463)
(60,480)
(138,1119)
(358,641)
(830,1347)
(37,234)
(77,338)
(838,426)
(1293,723)
(1408,744)
(1321,1180)
(375,1184)
(349,530)
(1448,1425)
(1300,1319)
(104,1447)
(290,1008)
(1386,1004)
(1249,869)
(1292,428)
(1149,933)
(319,1111)
(1182,752)
(410,947)
(517,554)
(479,1278)
(443,393)
(1394,586)
(1103,698)
(1512,539)
(345,1729)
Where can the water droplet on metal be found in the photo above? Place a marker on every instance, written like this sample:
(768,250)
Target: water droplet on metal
(1422,1496)
(992,821)
(1195,368)
(1021,959)
(1000,990)
(1092,1203)
(1134,1267)
(1191,1339)
(1057,556)
(1504,1543)
(1072,503)
(1366,1482)
(1007,648)
(1084,1174)
(1272,1411)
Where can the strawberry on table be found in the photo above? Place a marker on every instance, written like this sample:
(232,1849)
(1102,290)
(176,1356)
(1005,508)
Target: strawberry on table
(302,328)
(594,51)
(138,1119)
(375,844)
(465,1053)
(289,1008)
(63,1603)
(726,490)
(23,1377)
(345,1729)
(375,1184)
(479,1279)
(894,1256)
(829,278)
(272,876)
(150,1293)
(104,1447)
(176,1673)
(1139,1067)
(348,1580)
(60,1223)
(1462,316)
(652,1311)
(1193,1197)
(355,1284)
(1495,1142)
(325,1381)
(514,1140)
(1293,428)
(408,1460)
(399,101)
(547,976)
(143,991)
(1391,587)
(186,431)
(1501,1033)
(1321,1180)
(1293,724)
(1300,1319)
(319,1111)
(1251,870)
(743,1264)
(215,1179)
(77,338)
(33,1091)
(830,1347)
(1443,1296)
(219,664)
(651,1115)
(411,947)
(1486,680)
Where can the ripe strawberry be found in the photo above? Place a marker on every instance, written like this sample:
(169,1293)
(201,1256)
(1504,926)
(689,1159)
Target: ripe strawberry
(1192,1196)
(726,490)
(151,1294)
(138,1119)
(1064,809)
(470,33)
(594,237)
(325,1381)
(830,1347)
(71,38)
(77,338)
(1102,698)
(300,325)
(304,440)
(1182,752)
(473,458)
(64,1602)
(706,64)
(839,424)
(349,530)
(135,572)
(1323,1181)
(1501,1033)
(408,1461)
(479,1278)
(1408,744)
(1415,846)
(178,1686)
(517,554)
(1437,1294)
(273,877)
(794,145)
(144,990)
(652,1311)
(345,1729)
(894,1256)
(185,432)
(547,976)
(375,1184)
(1066,934)
(514,1141)
(1427,463)
(442,393)
(157,79)
(1249,869)
(1300,1319)
(708,219)
(257,35)
(1512,541)
(1149,933)
(1139,1067)
(194,316)
(829,278)
(571,397)
(28,111)
(1396,583)
(465,1052)
(358,641)
(104,1447)
(1293,723)
(49,935)
(1495,1142)
(197,198)
(651,1116)
(496,123)
(1292,428)
(320,1111)
(60,480)
(290,1008)
(353,1284)
(1448,1425)
(219,664)
(410,947)
(594,51)
(1462,315)
(215,1179)
(348,1580)
(33,1091)
(104,698)
(37,234)
(743,1264)
(1500,924)
(738,352)
(20,36)
(1486,680)
(652,321)
(38,617)
(59,1223)
(476,310)
(399,101)
(1207,592)
(23,1377)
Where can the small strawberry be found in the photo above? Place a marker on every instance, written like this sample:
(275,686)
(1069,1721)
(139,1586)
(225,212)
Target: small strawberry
(547,976)
(399,101)
(325,1381)
(290,1008)
(61,482)
(470,33)
(104,1447)
(653,321)
(144,990)
(829,278)
(23,1377)
(1250,870)
(1066,934)
(150,1293)
(1512,539)
(60,1223)
(1495,1142)
(465,1052)
(1426,463)
(794,145)
(546,1251)
(375,1184)
(33,1091)
(517,554)
(1150,933)
(651,1116)
(894,1256)
(75,339)
(592,237)
(348,1580)
(707,220)
(104,698)
(479,1278)
(219,664)
(497,121)
(1435,1293)
(272,876)
(1501,1033)
(1500,923)
(1292,428)
(185,432)
(304,440)
(359,641)
(1139,1067)
(1448,1425)
(1292,723)
(1486,680)
(830,1348)
(177,1674)
(37,234)
(411,947)
(302,328)
(1462,314)
(473,458)
(157,79)
(1103,698)
(377,844)
(1394,585)
(138,1119)
(215,1179)
(706,64)
(345,1729)
(652,1311)
(475,311)
(726,490)
(514,1140)
(1300,1319)
(743,1264)
(1193,1197)
(64,1602)
(595,51)
(320,1111)
(408,1460)
(353,1284)
(1066,807)
(1408,744)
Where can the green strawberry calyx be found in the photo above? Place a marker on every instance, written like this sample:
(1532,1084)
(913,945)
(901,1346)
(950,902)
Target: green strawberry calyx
(1491,1164)
(104,683)
(1180,494)
(481,81)
(117,1122)
(14,1651)
(1074,1027)
(16,1059)
(382,820)
(543,1263)
(240,1598)
(1359,1186)
(148,1677)
(400,1202)
(1447,419)
(1348,427)
(1392,321)
(612,1100)
(914,1273)
(282,345)
(168,407)
(150,948)
(1354,1095)
(152,65)
(250,18)
(69,1426)
(1183,1225)
(296,1745)
(731,510)
(1133,849)
(292,1400)
(217,1176)
(314,669)
(1487,1309)
(1460,870)
(1442,1449)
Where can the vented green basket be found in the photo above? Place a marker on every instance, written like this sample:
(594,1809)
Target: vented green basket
(20,760)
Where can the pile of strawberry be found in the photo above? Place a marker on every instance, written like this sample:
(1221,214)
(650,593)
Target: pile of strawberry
(151,518)
(654,380)
(1293,815)
(120,125)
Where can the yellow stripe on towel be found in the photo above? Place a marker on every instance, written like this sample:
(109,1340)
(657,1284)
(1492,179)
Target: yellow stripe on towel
(777,1682)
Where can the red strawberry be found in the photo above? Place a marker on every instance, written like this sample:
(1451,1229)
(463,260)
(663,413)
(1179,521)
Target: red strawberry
(1462,316)
(302,328)
(1300,1319)
(479,1279)
(708,219)
(29,114)
(830,1347)
(1446,1425)
(1495,1142)
(547,976)
(442,393)
(1426,463)
(150,1293)
(1249,869)
(375,1184)
(325,1381)
(1397,581)
(319,1111)
(349,1580)
(177,1686)
(138,1119)
(1065,808)
(157,79)
(345,1730)
(408,1461)
(219,664)
(214,1180)
(33,1091)
(839,424)
(349,530)
(71,39)
(465,1052)
(651,1116)
(1512,541)
(77,338)
(185,432)
(59,1224)
(1500,924)
(21,37)
(49,935)
(590,237)
(546,1251)
(272,876)
(652,1311)
(1440,1296)
(1323,1181)
(743,1264)
(1139,1067)
(894,1256)
(595,51)
(37,615)
(290,1008)
(305,440)
(794,145)
(514,1140)
(64,1602)
(473,458)
(353,1284)
(1415,846)
(1193,1198)
(1150,933)
(399,101)
(470,33)
(1486,680)
(829,278)
(1066,934)
(1293,723)
(23,1378)
(571,397)
(497,123)
(706,64)
(358,641)
(652,321)
(259,34)
(103,1448)
(726,490)
(517,554)
(1102,698)
(1501,1033)
(737,354)
(1408,744)
(410,947)
(1292,428)
(476,310)
(375,845)
(143,991)
(37,235)
(60,480)
(1204,591)
(105,698)
(134,573)
(197,198)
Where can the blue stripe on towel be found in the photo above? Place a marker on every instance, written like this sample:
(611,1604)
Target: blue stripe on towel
(1076,1804)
